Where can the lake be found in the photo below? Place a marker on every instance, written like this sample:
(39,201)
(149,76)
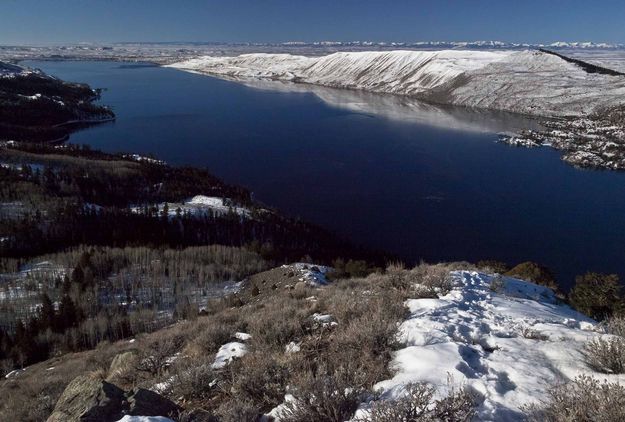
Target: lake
(418,181)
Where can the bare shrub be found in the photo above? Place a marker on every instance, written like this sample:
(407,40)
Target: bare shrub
(584,399)
(536,273)
(260,378)
(497,284)
(530,333)
(459,406)
(411,407)
(193,380)
(157,355)
(368,341)
(492,266)
(606,355)
(328,396)
(418,404)
(397,275)
(275,324)
(434,278)
(615,326)
(237,410)
(211,336)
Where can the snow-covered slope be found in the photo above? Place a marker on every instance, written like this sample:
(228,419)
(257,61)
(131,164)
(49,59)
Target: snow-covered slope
(508,345)
(399,72)
(530,82)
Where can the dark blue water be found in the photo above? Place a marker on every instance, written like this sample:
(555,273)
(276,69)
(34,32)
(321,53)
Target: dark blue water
(420,191)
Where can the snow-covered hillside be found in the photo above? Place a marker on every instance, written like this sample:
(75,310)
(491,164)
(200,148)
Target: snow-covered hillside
(530,82)
(505,339)
(200,205)
(398,72)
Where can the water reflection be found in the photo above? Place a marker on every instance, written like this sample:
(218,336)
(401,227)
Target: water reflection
(397,107)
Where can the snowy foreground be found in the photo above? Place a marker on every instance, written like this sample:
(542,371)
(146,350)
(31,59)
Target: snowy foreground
(507,346)
(529,82)
(506,340)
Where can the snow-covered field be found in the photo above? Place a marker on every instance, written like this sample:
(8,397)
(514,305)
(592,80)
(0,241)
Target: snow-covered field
(507,344)
(528,82)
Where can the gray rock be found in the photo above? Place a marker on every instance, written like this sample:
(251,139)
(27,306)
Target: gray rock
(90,399)
(142,402)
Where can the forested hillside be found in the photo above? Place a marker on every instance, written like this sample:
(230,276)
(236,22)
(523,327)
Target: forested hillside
(38,107)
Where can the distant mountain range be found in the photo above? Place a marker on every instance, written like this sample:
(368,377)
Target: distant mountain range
(419,44)
(462,44)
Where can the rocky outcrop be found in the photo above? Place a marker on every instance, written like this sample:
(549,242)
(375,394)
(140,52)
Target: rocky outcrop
(90,399)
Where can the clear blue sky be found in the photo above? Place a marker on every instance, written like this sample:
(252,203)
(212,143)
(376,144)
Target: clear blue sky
(60,21)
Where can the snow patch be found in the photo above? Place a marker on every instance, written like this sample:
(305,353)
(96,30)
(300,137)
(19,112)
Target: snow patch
(242,336)
(312,275)
(293,347)
(227,353)
(129,418)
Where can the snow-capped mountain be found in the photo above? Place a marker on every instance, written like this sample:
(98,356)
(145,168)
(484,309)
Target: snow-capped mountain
(481,44)
(527,81)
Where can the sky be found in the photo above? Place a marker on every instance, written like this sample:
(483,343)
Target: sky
(108,21)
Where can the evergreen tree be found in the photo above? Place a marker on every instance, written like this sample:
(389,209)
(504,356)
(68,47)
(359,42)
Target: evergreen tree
(67,285)
(78,276)
(68,314)
(48,315)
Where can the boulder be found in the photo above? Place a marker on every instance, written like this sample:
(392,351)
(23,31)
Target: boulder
(88,398)
(142,402)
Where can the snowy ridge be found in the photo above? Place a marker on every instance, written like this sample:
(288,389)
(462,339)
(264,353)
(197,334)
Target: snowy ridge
(529,82)
(508,346)
(399,72)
